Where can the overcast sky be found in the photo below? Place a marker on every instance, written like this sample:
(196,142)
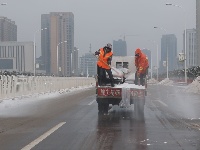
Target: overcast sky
(101,21)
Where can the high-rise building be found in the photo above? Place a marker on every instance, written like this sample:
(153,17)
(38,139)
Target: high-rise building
(57,42)
(168,51)
(8,30)
(87,64)
(198,29)
(191,50)
(119,48)
(147,52)
(45,44)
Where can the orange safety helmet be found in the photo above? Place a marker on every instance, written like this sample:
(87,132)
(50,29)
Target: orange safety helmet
(138,52)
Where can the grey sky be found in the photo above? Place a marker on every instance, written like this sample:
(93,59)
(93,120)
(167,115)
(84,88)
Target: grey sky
(101,21)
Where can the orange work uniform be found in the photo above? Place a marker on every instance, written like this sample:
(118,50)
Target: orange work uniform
(141,62)
(142,65)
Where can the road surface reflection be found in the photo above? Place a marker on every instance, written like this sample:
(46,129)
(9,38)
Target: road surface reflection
(121,130)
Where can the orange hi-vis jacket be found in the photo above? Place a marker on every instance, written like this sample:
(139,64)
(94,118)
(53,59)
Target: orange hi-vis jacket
(103,59)
(141,63)
(99,62)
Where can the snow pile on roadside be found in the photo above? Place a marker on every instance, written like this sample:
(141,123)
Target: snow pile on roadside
(194,87)
(57,93)
(152,81)
(166,81)
(26,105)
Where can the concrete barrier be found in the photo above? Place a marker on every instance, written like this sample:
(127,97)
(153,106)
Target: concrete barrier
(16,86)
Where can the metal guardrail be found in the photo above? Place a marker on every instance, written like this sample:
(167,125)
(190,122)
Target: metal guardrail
(16,86)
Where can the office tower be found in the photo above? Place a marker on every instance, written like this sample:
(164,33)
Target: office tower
(198,29)
(87,64)
(58,42)
(16,56)
(168,52)
(147,52)
(45,44)
(8,30)
(119,48)
(191,50)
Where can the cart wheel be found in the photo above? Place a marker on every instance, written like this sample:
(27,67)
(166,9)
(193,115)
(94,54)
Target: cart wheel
(100,108)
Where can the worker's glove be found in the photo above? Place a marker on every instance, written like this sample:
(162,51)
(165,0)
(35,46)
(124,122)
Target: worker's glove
(97,53)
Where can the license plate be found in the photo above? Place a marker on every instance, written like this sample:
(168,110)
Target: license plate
(110,92)
(137,93)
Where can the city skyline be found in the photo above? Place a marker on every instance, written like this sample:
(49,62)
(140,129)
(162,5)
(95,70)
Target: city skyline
(91,24)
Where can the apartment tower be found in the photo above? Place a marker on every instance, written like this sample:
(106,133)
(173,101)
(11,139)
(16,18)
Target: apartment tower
(191,54)
(8,30)
(57,42)
(119,48)
(168,52)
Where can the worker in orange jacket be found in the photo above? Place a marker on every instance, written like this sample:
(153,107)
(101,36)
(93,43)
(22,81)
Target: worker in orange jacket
(103,64)
(142,65)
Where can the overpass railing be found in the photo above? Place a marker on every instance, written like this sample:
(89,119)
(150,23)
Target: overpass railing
(16,86)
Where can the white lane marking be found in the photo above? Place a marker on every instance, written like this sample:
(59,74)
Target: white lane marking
(92,102)
(162,103)
(42,137)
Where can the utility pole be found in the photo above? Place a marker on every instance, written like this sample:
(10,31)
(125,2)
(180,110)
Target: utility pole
(90,48)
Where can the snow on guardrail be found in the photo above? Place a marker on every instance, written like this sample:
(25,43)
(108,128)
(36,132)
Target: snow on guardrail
(16,86)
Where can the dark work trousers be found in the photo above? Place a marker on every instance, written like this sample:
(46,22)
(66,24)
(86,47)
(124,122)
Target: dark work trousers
(101,75)
(109,72)
(142,78)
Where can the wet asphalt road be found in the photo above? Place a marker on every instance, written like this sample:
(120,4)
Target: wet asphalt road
(71,122)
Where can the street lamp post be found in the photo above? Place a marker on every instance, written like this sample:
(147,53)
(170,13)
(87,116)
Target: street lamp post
(57,55)
(34,50)
(185,50)
(167,50)
(72,61)
(87,69)
(156,59)
(151,65)
(151,62)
